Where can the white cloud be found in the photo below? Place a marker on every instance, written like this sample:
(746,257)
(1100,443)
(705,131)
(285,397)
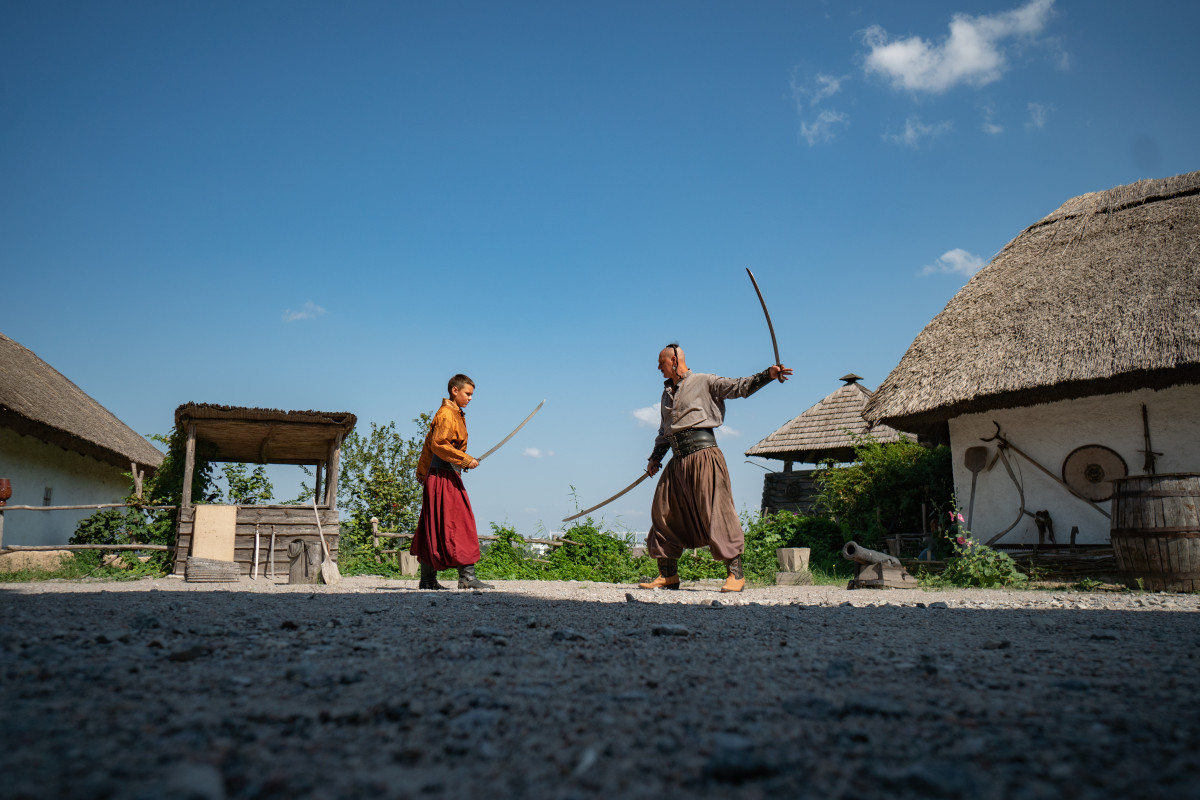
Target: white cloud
(823,128)
(309,310)
(820,87)
(1037,115)
(648,417)
(916,131)
(726,432)
(535,452)
(990,126)
(956,261)
(970,54)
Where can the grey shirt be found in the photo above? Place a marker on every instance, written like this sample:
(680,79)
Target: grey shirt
(698,401)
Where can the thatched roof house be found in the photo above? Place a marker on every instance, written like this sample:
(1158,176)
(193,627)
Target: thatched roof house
(1100,296)
(37,400)
(1077,349)
(827,430)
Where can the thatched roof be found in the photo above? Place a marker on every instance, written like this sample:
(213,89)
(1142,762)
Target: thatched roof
(265,435)
(1101,296)
(827,430)
(39,401)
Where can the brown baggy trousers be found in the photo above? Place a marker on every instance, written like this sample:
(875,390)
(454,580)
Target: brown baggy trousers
(693,507)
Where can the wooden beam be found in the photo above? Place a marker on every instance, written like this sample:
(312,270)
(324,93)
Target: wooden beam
(320,467)
(189,465)
(331,480)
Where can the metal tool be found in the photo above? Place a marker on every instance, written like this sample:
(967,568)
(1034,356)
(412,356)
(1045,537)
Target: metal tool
(609,500)
(767,314)
(254,565)
(974,459)
(504,441)
(1004,443)
(1148,465)
(329,570)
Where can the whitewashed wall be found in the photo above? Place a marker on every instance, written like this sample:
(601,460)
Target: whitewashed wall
(1048,433)
(32,465)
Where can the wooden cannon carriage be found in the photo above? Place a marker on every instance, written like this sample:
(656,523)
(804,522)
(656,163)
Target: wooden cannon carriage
(263,436)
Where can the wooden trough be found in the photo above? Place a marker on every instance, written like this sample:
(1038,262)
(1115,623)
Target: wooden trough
(263,436)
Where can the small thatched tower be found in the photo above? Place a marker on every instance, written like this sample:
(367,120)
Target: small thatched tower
(827,430)
(1090,314)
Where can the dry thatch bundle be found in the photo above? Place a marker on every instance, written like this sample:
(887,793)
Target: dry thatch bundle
(827,430)
(37,400)
(1101,296)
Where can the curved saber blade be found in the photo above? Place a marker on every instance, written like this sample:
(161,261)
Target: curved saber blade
(504,441)
(609,500)
(767,314)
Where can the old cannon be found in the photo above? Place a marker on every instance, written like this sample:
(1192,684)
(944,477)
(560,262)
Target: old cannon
(876,570)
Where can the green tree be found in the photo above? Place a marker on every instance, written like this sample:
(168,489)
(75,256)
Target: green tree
(883,491)
(247,487)
(379,479)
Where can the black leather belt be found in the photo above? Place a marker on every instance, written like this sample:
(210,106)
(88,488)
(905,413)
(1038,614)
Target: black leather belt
(686,442)
(437,463)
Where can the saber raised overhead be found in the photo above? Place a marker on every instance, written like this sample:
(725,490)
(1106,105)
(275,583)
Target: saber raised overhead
(628,488)
(504,441)
(767,314)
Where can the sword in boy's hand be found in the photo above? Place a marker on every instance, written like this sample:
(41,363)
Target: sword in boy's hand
(767,314)
(609,500)
(504,441)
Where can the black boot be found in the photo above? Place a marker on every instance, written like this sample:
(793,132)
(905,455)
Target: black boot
(467,579)
(429,577)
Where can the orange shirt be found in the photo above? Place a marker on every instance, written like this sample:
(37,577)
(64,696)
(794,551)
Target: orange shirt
(447,439)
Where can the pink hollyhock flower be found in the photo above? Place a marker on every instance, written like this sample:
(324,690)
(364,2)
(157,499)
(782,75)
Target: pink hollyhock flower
(962,540)
(960,518)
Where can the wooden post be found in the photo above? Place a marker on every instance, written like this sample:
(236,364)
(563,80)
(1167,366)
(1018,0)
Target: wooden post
(331,473)
(787,466)
(189,466)
(317,479)
(375,538)
(137,480)
(1,528)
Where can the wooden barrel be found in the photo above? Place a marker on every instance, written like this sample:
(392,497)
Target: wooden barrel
(1156,531)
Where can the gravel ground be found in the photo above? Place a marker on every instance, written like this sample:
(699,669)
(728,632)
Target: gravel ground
(159,688)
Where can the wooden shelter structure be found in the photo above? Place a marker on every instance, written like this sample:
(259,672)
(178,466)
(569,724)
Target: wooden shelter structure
(827,430)
(264,436)
(1075,352)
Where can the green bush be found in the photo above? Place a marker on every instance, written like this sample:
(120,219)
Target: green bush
(975,564)
(884,490)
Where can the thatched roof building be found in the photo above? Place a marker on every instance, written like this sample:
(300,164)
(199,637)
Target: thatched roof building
(1102,296)
(37,400)
(827,430)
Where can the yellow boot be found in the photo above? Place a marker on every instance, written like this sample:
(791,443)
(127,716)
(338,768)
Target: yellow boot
(668,575)
(736,581)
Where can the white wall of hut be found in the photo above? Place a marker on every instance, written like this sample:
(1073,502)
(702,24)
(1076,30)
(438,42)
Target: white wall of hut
(1049,433)
(73,479)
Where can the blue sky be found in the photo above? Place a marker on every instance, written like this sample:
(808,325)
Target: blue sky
(336,206)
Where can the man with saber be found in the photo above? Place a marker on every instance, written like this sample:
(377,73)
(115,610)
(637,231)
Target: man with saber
(693,502)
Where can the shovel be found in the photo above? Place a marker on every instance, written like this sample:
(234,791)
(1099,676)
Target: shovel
(329,570)
(974,459)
